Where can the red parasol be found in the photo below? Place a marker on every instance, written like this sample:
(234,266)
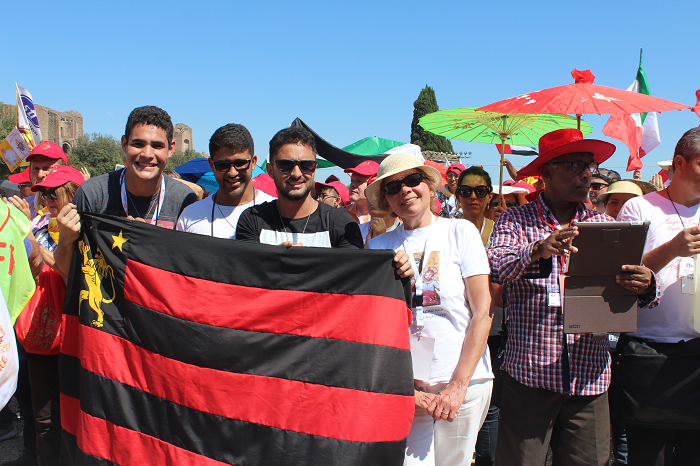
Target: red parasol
(439,167)
(583,97)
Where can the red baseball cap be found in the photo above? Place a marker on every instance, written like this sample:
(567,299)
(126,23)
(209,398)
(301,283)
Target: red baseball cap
(520,184)
(565,141)
(456,168)
(338,186)
(59,175)
(366,168)
(50,150)
(21,177)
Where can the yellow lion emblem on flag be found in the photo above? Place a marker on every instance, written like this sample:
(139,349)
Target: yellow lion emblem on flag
(96,271)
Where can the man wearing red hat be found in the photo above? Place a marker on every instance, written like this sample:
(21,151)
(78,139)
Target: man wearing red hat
(445,195)
(555,384)
(358,182)
(140,191)
(333,193)
(23,182)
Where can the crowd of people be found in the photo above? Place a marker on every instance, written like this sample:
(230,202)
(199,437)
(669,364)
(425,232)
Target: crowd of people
(497,380)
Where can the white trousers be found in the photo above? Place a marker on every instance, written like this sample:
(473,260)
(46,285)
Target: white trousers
(442,443)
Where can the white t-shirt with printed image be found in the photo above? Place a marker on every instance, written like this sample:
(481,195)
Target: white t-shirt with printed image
(453,251)
(672,320)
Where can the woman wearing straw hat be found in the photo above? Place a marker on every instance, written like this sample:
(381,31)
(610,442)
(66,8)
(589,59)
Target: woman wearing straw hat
(452,397)
(622,191)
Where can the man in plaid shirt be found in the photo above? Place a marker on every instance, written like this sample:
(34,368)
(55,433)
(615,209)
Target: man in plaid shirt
(555,385)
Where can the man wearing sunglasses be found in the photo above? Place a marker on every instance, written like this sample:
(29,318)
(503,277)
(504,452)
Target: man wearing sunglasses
(334,193)
(600,183)
(296,218)
(555,384)
(232,160)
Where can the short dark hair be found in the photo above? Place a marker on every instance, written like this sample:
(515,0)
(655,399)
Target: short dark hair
(612,175)
(152,116)
(299,136)
(475,171)
(232,136)
(687,146)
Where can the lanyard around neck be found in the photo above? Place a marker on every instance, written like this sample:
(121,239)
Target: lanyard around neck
(213,213)
(159,206)
(418,297)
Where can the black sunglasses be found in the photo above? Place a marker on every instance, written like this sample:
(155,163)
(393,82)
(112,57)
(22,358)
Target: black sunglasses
(285,167)
(578,166)
(223,166)
(411,181)
(598,186)
(480,191)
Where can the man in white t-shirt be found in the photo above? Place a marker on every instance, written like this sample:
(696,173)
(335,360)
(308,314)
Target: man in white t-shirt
(672,241)
(232,161)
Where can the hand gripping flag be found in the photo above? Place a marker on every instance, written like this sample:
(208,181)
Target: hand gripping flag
(183,349)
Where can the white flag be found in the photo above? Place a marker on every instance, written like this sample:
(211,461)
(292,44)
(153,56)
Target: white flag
(26,115)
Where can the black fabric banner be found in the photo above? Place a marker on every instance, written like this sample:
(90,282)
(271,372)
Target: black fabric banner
(334,154)
(183,349)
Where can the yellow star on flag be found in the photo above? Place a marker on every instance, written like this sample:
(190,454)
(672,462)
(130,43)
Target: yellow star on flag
(119,241)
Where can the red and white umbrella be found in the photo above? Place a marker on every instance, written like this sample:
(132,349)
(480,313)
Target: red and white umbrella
(581,98)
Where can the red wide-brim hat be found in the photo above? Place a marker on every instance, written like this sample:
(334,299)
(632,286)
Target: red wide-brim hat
(565,141)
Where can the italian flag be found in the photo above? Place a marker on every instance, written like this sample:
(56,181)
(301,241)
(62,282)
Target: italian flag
(640,131)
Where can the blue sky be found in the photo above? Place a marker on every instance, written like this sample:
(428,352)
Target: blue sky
(348,69)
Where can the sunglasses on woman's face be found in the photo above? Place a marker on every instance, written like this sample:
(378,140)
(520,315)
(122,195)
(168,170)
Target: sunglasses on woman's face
(285,167)
(50,193)
(223,166)
(480,191)
(411,181)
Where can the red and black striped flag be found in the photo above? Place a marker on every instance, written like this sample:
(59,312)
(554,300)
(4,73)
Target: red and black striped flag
(180,349)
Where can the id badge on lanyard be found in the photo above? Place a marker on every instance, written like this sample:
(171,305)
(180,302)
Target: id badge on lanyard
(686,274)
(422,347)
(555,292)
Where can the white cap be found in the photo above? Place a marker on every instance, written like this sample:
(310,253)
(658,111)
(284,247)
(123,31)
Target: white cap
(509,190)
(666,164)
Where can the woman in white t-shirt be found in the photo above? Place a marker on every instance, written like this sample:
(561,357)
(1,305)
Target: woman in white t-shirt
(451,318)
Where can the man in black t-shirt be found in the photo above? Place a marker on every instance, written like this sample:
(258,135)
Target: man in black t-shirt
(139,192)
(296,218)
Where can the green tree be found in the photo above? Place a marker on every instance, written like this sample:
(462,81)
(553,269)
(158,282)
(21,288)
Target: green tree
(178,158)
(424,104)
(96,152)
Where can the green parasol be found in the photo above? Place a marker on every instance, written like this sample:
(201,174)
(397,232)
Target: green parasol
(467,124)
(372,145)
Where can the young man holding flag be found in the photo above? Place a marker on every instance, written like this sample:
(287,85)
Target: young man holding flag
(138,192)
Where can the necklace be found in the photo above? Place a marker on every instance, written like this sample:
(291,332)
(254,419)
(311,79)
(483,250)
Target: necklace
(222,213)
(674,207)
(133,204)
(305,224)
